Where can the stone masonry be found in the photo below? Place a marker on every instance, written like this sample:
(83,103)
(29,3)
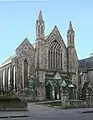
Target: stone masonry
(41,60)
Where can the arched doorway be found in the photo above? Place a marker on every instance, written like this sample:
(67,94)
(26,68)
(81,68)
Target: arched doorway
(48,91)
(25,73)
(57,92)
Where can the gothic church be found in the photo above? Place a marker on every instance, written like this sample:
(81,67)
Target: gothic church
(48,61)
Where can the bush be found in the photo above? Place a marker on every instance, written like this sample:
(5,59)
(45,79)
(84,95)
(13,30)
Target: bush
(65,105)
(8,96)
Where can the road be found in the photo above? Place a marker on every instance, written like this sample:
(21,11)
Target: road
(39,112)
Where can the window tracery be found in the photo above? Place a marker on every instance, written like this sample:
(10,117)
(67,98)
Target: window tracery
(55,55)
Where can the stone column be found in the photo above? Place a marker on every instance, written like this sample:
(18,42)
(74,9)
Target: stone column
(11,78)
(40,85)
(41,92)
(65,100)
(53,93)
(87,98)
(6,79)
(1,78)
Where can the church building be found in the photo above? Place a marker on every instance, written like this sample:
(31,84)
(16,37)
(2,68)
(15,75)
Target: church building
(49,62)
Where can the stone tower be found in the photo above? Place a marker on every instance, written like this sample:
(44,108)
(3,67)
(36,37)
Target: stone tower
(39,56)
(72,55)
(39,41)
(40,27)
(71,48)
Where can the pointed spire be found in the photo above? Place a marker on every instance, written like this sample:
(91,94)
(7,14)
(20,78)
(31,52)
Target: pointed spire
(70,26)
(40,18)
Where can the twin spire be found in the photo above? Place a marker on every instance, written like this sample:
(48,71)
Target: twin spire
(40,30)
(40,27)
(40,17)
(70,26)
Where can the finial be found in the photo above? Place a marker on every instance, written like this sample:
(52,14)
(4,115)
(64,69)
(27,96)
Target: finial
(40,18)
(70,26)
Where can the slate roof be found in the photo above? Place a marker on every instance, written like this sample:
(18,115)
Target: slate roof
(86,64)
(7,61)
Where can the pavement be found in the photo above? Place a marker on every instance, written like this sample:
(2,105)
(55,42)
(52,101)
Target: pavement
(13,113)
(40,112)
(41,109)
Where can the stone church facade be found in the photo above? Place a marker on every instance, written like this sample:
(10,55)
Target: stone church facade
(48,56)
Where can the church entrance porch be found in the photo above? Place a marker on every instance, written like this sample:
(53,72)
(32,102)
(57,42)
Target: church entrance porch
(54,86)
(48,92)
(52,90)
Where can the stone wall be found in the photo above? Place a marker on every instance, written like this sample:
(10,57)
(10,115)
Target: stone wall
(13,105)
(78,104)
(55,35)
(90,77)
(25,52)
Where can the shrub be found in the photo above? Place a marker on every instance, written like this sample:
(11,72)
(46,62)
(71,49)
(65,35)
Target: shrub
(8,96)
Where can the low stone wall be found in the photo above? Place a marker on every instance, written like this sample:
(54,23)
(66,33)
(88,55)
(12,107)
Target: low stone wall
(78,104)
(27,98)
(13,105)
(89,104)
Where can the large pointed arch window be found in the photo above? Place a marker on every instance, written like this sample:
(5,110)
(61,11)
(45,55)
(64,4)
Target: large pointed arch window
(25,73)
(55,55)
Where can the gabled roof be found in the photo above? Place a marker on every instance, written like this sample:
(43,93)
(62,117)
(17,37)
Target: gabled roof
(55,31)
(34,45)
(7,61)
(46,37)
(25,41)
(86,64)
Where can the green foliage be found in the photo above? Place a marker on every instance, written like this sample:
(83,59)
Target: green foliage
(55,103)
(66,106)
(8,96)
